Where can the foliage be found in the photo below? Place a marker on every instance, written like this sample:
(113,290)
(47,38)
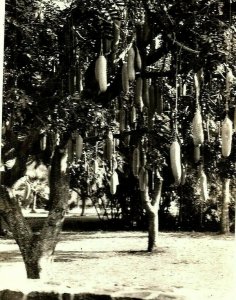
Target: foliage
(50,84)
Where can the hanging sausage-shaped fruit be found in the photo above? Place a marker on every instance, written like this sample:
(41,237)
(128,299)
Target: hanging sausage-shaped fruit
(130,64)
(138,60)
(226,136)
(78,145)
(203,185)
(101,72)
(175,161)
(138,95)
(197,129)
(133,115)
(114,182)
(197,153)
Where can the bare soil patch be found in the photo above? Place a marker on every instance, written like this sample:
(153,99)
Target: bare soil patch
(196,265)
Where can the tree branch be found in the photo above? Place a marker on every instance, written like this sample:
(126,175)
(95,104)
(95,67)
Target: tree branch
(182,46)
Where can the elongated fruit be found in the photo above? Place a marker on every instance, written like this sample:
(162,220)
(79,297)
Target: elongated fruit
(229,80)
(197,85)
(130,64)
(114,182)
(101,72)
(197,153)
(197,129)
(226,135)
(203,184)
(133,114)
(78,145)
(175,161)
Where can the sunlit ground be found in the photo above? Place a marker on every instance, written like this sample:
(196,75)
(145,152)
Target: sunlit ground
(199,266)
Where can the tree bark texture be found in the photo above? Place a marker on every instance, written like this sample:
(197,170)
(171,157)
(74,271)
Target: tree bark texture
(224,222)
(37,249)
(152,207)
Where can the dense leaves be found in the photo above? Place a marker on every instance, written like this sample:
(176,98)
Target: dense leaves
(50,83)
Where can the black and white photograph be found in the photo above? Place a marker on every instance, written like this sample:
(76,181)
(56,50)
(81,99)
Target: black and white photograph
(117,149)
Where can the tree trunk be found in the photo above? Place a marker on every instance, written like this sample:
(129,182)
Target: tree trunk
(153,230)
(152,207)
(37,249)
(224,222)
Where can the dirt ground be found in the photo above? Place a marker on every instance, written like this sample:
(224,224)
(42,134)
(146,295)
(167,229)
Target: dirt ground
(196,265)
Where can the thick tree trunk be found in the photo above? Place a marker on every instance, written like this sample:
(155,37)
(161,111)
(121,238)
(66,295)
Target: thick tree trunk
(37,249)
(224,222)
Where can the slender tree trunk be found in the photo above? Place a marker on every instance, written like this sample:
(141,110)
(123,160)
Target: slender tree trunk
(153,230)
(152,207)
(224,222)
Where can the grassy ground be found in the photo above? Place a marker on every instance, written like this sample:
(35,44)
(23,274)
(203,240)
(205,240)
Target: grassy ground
(199,266)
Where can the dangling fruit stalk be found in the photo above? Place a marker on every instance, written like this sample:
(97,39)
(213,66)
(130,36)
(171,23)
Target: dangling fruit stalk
(136,161)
